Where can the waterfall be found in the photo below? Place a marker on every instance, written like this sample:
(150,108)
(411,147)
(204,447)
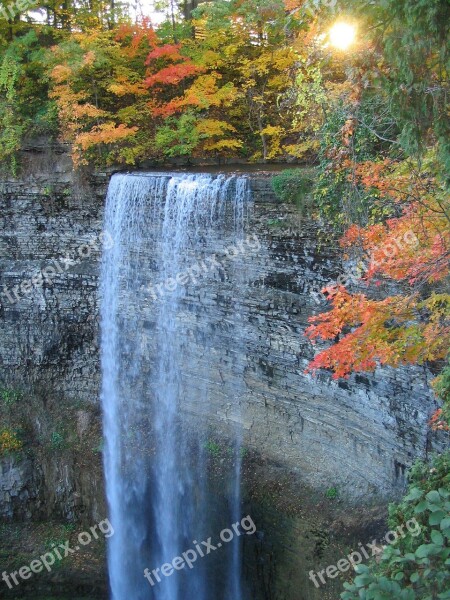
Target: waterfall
(164,227)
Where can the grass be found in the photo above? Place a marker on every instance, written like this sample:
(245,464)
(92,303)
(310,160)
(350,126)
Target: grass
(213,448)
(332,493)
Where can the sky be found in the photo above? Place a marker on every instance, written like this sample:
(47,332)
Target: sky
(146,7)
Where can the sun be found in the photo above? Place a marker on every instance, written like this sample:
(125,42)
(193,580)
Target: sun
(342,35)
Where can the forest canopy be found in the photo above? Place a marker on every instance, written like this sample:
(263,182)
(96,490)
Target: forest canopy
(255,81)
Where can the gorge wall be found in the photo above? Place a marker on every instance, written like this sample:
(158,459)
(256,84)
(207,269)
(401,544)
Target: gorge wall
(358,435)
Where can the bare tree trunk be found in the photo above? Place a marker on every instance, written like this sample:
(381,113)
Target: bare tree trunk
(111,15)
(188,7)
(172,15)
(263,137)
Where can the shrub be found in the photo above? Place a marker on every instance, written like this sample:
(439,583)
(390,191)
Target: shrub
(441,386)
(414,567)
(332,493)
(212,447)
(9,442)
(57,441)
(293,186)
(10,396)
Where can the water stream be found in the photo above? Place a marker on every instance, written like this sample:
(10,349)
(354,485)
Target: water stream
(163,227)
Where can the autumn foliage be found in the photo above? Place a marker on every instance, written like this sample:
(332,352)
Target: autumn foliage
(412,250)
(9,442)
(258,81)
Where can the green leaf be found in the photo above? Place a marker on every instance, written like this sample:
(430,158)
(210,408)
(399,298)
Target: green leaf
(426,550)
(362,569)
(421,507)
(433,496)
(422,551)
(362,580)
(437,537)
(437,517)
(414,494)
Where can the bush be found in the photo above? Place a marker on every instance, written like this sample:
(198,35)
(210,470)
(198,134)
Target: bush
(9,442)
(332,493)
(415,567)
(10,396)
(213,448)
(57,441)
(441,386)
(293,186)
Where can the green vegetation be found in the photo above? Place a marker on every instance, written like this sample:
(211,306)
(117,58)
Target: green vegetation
(416,566)
(441,386)
(9,441)
(55,542)
(339,197)
(216,450)
(213,448)
(332,493)
(57,440)
(294,186)
(243,452)
(275,223)
(98,449)
(10,396)
(46,428)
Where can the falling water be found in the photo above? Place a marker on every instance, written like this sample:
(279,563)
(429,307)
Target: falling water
(162,227)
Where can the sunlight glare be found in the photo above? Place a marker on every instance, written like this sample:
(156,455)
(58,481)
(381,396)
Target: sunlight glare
(342,35)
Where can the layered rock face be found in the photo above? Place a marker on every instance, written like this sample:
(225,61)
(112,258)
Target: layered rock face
(358,435)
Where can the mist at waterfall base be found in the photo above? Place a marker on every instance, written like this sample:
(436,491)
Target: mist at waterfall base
(161,498)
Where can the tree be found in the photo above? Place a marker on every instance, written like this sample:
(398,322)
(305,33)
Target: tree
(390,166)
(412,250)
(24,103)
(97,84)
(412,36)
(12,125)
